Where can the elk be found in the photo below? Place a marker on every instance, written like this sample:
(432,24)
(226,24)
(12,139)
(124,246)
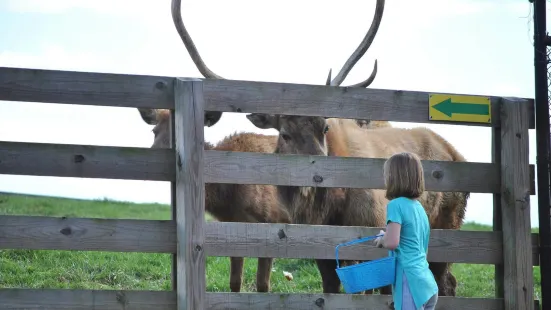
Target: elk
(234,202)
(322,136)
(346,137)
(245,203)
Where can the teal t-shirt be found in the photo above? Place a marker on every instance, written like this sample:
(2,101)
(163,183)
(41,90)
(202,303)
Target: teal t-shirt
(411,253)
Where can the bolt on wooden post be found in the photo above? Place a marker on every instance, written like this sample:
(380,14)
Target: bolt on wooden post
(190,193)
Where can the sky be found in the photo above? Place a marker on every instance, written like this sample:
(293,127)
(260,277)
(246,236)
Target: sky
(478,47)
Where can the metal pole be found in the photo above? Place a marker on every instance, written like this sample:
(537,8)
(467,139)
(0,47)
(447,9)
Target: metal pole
(542,140)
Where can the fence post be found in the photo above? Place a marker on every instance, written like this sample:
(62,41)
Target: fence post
(515,206)
(497,221)
(190,193)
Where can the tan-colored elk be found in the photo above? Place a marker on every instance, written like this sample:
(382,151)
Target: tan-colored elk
(236,202)
(361,207)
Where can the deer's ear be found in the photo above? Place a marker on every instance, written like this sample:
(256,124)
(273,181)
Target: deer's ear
(211,118)
(363,122)
(264,121)
(149,116)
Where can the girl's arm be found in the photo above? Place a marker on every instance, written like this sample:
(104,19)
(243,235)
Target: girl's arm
(391,238)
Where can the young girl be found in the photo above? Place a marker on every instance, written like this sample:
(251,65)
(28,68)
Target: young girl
(408,234)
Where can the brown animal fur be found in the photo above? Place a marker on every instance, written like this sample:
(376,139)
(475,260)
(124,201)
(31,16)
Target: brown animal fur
(212,117)
(362,207)
(236,202)
(365,123)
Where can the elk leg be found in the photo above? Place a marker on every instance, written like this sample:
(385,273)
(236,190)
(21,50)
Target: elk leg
(330,281)
(236,273)
(386,290)
(369,292)
(263,273)
(444,278)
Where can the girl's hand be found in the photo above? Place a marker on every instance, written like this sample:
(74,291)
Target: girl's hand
(379,240)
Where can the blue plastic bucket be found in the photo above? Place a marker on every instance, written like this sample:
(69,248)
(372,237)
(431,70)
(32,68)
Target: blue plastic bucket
(367,275)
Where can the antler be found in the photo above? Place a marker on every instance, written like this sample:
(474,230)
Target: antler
(350,63)
(211,117)
(360,51)
(188,42)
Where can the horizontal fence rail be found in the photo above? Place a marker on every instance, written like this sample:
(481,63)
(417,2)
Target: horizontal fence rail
(54,299)
(86,161)
(238,239)
(132,163)
(125,90)
(349,172)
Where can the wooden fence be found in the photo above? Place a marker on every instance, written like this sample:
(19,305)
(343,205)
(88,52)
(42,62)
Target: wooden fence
(511,246)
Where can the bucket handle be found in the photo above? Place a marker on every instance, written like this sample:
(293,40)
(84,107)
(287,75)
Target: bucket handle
(354,242)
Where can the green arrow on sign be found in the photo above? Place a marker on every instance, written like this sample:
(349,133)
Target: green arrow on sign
(448,107)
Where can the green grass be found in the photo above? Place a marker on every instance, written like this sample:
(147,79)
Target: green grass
(145,271)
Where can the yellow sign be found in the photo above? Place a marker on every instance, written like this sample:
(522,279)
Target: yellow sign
(456,108)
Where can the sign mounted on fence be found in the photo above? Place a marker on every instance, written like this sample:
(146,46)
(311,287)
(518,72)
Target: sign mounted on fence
(459,108)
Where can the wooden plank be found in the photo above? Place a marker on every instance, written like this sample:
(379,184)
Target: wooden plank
(52,233)
(61,299)
(319,241)
(350,172)
(174,271)
(237,239)
(86,161)
(86,88)
(64,299)
(515,206)
(190,194)
(124,90)
(496,159)
(250,301)
(320,100)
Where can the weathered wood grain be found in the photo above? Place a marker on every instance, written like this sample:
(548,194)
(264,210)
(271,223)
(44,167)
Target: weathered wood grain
(250,301)
(174,271)
(52,233)
(86,88)
(124,90)
(496,159)
(238,239)
(53,299)
(319,241)
(515,206)
(64,299)
(85,161)
(350,172)
(320,100)
(190,194)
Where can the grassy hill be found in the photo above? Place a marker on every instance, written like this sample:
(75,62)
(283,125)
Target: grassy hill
(132,271)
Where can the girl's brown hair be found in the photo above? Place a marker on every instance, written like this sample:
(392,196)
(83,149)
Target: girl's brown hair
(403,174)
